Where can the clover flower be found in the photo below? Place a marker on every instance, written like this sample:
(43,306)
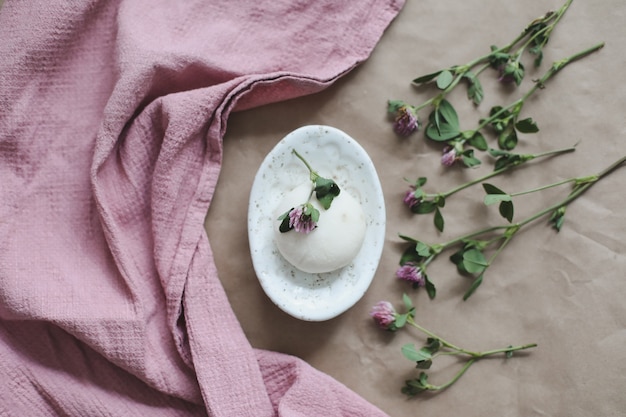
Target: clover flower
(410,199)
(412,273)
(301,218)
(505,77)
(511,72)
(406,121)
(449,156)
(384,315)
(443,126)
(304,218)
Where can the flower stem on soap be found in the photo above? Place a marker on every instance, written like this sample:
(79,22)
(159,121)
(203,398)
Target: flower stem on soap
(325,188)
(304,217)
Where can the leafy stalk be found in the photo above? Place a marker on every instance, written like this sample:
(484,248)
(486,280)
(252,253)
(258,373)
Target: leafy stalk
(443,122)
(505,120)
(437,346)
(422,203)
(325,188)
(537,32)
(459,350)
(470,258)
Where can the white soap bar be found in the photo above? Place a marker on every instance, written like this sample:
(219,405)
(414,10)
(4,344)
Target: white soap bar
(335,241)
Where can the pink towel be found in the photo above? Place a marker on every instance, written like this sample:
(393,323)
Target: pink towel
(111,120)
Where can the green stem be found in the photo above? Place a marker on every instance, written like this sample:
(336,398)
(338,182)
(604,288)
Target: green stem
(460,71)
(559,15)
(545,187)
(508,236)
(589,181)
(505,49)
(516,106)
(428,102)
(500,171)
(606,171)
(464,69)
(576,193)
(427,332)
(471,361)
(508,349)
(558,66)
(428,260)
(436,100)
(475,181)
(441,246)
(583,184)
(454,379)
(447,353)
(474,355)
(547,30)
(313,175)
(512,230)
(484,122)
(482,69)
(555,152)
(437,248)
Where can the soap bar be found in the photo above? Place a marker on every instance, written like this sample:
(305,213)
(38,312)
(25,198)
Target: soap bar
(336,240)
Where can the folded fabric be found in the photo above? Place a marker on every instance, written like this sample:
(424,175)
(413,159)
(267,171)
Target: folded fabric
(112,115)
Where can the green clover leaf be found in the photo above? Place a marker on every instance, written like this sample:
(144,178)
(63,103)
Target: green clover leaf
(325,191)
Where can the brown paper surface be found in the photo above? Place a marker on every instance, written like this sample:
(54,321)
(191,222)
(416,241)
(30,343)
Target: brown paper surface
(564,291)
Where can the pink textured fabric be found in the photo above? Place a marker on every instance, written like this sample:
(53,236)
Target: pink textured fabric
(111,120)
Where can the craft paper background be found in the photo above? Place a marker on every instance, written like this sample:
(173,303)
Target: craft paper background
(563,291)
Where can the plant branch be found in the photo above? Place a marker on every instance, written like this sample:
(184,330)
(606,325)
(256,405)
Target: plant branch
(525,158)
(576,193)
(314,175)
(455,378)
(473,354)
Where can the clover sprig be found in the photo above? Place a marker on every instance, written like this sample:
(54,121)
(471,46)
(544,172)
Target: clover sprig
(504,121)
(422,202)
(387,318)
(304,217)
(497,134)
(325,189)
(471,257)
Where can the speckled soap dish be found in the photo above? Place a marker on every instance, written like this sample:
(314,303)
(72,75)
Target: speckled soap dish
(315,297)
